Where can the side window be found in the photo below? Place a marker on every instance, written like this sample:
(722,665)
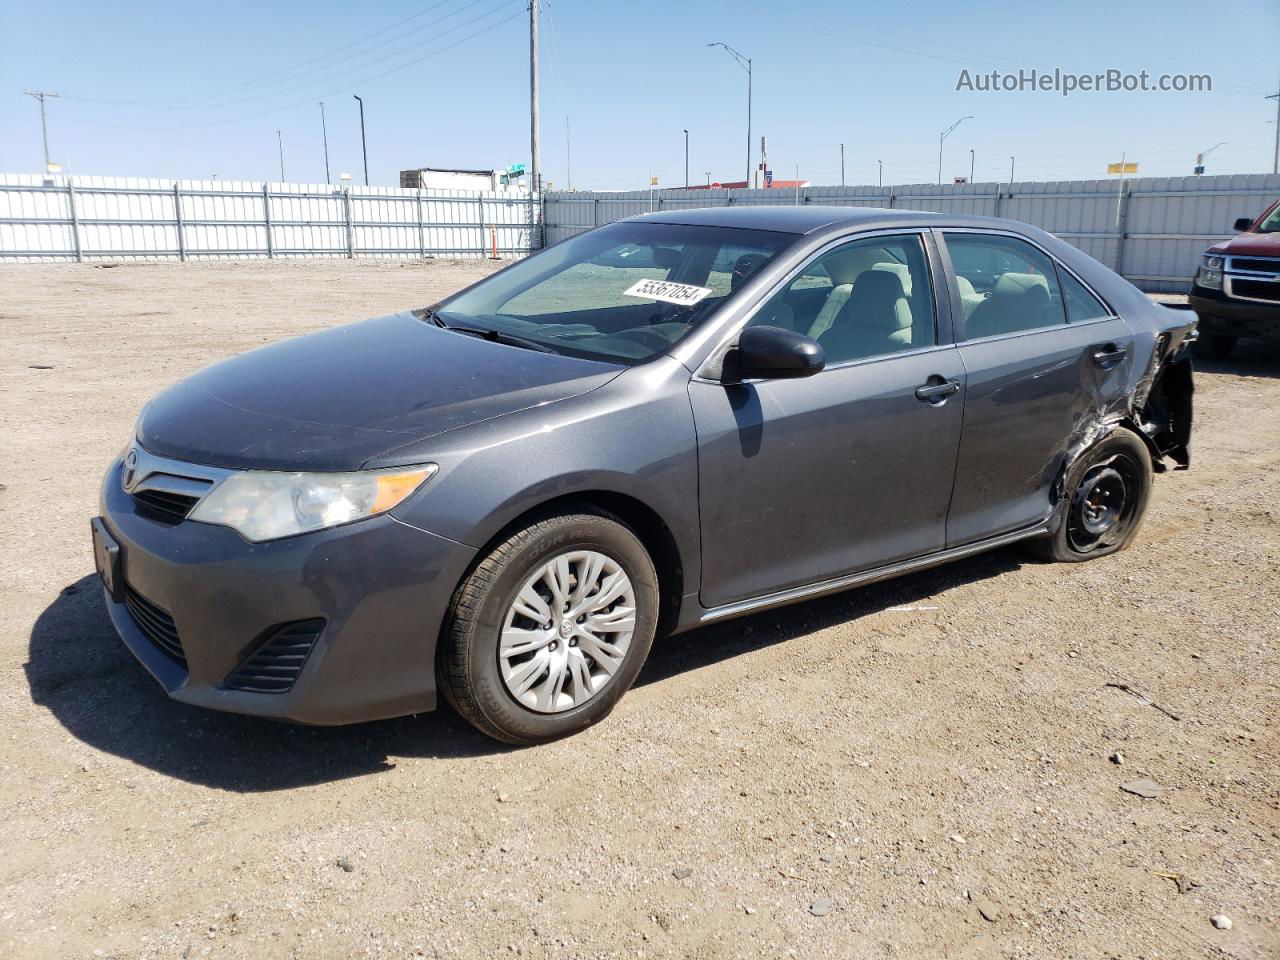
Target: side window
(863,299)
(1081,304)
(1006,285)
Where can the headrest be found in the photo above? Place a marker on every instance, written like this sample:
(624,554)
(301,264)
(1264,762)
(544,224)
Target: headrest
(877,301)
(744,267)
(1020,285)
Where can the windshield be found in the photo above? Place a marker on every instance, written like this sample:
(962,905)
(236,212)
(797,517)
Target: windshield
(624,293)
(1271,222)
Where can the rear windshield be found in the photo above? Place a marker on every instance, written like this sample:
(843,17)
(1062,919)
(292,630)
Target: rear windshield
(624,293)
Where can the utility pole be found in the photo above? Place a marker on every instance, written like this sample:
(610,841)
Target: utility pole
(941,138)
(364,149)
(881,163)
(568,157)
(745,64)
(842,164)
(708,179)
(764,156)
(686,159)
(971,165)
(42,95)
(535,145)
(325,133)
(1275,164)
(280,143)
(1011,173)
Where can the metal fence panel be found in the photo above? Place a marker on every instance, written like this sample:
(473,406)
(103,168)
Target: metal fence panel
(95,218)
(1152,229)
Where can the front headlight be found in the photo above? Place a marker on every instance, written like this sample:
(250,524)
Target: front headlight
(263,505)
(1210,272)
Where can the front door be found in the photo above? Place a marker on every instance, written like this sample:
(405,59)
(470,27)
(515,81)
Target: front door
(805,480)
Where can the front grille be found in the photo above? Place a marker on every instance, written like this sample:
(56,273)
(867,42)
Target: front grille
(164,506)
(1255,289)
(157,625)
(275,664)
(1256,264)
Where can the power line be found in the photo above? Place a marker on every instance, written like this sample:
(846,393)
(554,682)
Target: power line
(219,91)
(328,93)
(324,79)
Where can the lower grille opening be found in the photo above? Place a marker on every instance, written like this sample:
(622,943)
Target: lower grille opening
(164,506)
(156,625)
(274,665)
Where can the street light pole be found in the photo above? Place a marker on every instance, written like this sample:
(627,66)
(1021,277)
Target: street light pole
(280,144)
(535,133)
(686,159)
(1199,168)
(881,165)
(971,165)
(842,164)
(745,64)
(941,138)
(364,149)
(324,132)
(42,95)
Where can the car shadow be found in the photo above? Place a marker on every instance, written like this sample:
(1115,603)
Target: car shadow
(1250,358)
(80,671)
(723,641)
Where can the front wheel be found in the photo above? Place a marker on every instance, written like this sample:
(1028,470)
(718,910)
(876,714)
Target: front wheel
(1106,490)
(551,628)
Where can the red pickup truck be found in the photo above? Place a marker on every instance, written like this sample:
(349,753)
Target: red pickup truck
(1236,290)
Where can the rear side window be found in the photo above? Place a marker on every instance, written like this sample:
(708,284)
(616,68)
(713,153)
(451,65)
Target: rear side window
(1006,285)
(1081,304)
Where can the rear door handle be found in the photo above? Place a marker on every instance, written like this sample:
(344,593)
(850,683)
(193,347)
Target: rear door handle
(937,390)
(1109,355)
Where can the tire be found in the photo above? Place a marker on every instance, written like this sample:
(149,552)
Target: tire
(1106,491)
(1213,346)
(482,675)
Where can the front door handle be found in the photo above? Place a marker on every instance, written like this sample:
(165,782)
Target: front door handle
(937,389)
(1108,356)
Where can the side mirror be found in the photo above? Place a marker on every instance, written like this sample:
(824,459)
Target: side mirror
(1243,224)
(772,353)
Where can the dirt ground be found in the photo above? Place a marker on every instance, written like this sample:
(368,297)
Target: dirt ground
(912,755)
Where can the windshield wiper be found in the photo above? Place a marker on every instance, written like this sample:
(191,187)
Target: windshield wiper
(493,336)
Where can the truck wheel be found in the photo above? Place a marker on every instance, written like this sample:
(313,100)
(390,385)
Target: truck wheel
(1106,491)
(551,628)
(1214,346)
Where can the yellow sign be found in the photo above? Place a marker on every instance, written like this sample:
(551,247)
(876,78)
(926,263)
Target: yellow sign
(53,167)
(653,181)
(1122,168)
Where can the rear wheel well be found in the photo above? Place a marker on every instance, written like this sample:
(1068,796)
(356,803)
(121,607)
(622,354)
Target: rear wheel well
(643,521)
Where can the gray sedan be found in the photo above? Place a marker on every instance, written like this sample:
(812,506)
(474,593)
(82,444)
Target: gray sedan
(657,424)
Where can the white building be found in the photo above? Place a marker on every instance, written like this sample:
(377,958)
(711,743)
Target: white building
(437,178)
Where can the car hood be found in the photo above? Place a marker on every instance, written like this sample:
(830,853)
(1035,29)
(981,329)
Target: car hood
(1249,245)
(335,399)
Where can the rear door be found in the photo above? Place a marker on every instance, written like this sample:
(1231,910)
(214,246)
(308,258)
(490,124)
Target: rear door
(805,480)
(1043,358)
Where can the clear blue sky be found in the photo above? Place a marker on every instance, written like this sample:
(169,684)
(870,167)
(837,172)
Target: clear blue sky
(205,86)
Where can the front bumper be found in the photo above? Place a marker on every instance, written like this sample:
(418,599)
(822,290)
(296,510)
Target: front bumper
(381,587)
(1225,315)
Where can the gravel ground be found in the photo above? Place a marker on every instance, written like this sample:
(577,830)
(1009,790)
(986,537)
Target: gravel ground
(916,769)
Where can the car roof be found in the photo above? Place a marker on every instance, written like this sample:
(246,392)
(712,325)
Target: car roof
(806,218)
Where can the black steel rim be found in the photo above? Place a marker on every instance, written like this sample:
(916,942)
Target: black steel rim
(1103,505)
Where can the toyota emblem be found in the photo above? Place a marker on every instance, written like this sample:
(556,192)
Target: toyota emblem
(130,470)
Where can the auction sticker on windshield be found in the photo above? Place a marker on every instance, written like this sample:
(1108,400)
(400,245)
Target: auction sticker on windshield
(684,294)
